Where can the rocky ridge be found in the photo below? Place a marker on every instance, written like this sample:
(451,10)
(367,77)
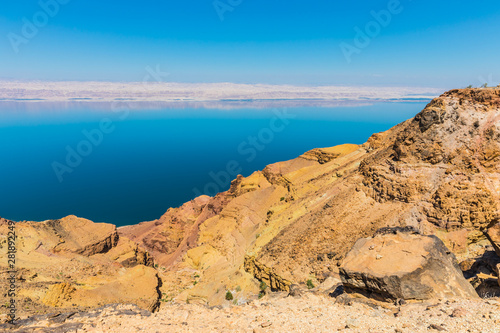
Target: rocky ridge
(296,220)
(291,224)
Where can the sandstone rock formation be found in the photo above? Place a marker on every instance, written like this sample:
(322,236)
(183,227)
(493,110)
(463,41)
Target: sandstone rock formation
(437,172)
(295,220)
(76,235)
(75,263)
(137,285)
(397,264)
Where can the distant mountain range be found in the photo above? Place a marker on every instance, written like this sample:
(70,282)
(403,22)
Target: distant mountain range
(194,92)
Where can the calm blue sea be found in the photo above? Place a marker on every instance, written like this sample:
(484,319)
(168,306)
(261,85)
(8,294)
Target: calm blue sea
(126,166)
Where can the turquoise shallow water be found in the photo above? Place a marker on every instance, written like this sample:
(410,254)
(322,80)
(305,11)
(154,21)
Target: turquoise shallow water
(124,167)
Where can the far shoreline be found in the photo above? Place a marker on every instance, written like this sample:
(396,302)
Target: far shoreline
(134,104)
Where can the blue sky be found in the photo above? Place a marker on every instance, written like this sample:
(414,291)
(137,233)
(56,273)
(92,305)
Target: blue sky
(426,43)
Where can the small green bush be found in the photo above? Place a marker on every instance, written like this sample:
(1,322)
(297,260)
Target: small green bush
(310,284)
(262,287)
(282,198)
(229,296)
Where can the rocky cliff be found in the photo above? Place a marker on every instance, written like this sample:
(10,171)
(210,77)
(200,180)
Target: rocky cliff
(75,263)
(295,221)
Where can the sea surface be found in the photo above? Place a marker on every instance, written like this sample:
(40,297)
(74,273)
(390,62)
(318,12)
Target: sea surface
(123,165)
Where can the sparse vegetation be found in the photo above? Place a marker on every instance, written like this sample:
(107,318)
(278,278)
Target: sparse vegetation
(165,298)
(229,296)
(310,284)
(469,86)
(282,198)
(238,288)
(262,287)
(484,85)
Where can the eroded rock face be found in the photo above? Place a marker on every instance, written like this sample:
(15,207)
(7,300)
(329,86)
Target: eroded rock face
(173,233)
(448,158)
(403,265)
(138,285)
(266,275)
(75,263)
(77,235)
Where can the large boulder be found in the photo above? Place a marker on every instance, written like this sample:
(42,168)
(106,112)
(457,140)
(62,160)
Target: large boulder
(398,263)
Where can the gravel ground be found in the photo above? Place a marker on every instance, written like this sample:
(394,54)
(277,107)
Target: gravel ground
(308,313)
